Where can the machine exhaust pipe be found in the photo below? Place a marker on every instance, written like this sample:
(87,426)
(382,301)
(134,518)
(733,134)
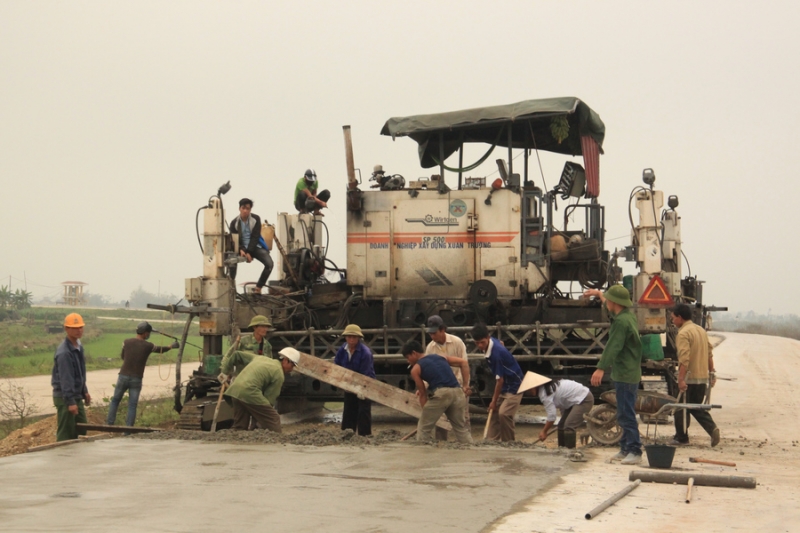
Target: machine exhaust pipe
(353,193)
(348,154)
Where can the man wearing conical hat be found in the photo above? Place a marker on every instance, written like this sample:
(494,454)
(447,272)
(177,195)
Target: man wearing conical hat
(623,355)
(356,356)
(573,399)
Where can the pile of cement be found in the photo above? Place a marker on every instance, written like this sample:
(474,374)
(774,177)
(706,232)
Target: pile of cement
(318,435)
(314,436)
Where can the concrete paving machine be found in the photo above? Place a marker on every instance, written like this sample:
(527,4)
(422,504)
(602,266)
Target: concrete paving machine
(488,250)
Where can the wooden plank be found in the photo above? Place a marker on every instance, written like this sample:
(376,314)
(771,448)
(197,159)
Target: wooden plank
(117,429)
(82,438)
(372,389)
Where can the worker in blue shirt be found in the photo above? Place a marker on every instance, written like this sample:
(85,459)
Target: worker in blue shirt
(508,377)
(356,356)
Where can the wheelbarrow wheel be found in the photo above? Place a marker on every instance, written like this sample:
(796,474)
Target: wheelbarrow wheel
(602,424)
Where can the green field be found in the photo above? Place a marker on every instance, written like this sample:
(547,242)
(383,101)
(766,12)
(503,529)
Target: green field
(26,347)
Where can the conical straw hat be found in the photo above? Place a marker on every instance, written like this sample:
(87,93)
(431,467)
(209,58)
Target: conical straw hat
(532,380)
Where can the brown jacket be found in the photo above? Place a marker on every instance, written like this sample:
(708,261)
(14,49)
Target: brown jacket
(694,349)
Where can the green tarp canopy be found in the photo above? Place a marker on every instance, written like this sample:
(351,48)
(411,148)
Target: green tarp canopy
(531,122)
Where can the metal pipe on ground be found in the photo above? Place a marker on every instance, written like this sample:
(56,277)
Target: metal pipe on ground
(708,480)
(612,500)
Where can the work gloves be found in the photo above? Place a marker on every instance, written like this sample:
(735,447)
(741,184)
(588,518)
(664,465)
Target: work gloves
(175,345)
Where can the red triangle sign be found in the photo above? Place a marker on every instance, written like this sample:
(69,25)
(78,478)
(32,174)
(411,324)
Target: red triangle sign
(656,294)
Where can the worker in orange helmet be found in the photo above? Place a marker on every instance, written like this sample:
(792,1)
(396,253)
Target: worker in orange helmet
(69,381)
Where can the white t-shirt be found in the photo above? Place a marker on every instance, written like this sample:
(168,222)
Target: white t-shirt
(568,394)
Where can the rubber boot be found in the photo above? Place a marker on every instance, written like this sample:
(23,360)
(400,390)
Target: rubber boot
(560,438)
(569,438)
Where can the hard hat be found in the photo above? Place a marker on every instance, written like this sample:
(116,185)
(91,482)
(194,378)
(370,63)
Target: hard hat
(310,175)
(435,323)
(532,380)
(619,295)
(144,327)
(73,320)
(260,320)
(291,354)
(352,329)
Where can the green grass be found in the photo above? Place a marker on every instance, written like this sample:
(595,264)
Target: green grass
(150,412)
(102,353)
(26,347)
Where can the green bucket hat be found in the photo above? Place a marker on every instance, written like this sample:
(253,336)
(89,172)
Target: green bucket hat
(619,295)
(352,329)
(260,320)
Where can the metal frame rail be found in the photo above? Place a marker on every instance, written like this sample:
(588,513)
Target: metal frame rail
(527,342)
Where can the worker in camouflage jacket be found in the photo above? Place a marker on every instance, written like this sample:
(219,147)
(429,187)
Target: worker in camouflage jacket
(257,342)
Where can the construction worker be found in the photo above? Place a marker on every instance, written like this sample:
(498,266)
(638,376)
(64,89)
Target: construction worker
(571,397)
(623,354)
(254,391)
(69,381)
(442,394)
(249,243)
(306,197)
(257,342)
(446,345)
(356,356)
(135,352)
(506,397)
(696,366)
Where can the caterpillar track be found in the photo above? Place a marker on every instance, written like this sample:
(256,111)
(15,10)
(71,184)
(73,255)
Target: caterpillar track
(197,414)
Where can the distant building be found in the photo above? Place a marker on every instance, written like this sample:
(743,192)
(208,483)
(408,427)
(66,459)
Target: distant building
(73,293)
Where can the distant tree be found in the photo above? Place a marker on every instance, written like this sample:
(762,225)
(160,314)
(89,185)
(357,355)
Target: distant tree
(140,298)
(97,300)
(5,297)
(21,300)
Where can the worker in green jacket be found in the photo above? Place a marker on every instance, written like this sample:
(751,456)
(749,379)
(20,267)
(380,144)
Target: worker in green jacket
(257,342)
(623,354)
(254,391)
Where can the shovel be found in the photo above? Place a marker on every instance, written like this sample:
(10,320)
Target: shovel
(216,411)
(488,421)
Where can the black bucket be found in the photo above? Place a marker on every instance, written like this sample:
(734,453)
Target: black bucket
(660,455)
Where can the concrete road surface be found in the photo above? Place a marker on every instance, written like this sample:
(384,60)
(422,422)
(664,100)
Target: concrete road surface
(760,433)
(158,382)
(159,486)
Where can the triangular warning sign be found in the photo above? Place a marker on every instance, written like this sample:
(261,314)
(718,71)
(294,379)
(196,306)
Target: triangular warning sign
(656,294)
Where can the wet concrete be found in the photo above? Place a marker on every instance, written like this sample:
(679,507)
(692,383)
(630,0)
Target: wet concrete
(143,485)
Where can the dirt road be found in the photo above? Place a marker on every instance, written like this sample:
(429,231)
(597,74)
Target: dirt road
(194,486)
(158,383)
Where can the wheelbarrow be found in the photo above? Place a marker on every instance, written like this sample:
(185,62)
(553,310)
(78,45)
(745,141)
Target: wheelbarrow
(602,419)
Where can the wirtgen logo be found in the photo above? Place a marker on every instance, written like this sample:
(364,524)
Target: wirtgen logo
(431,220)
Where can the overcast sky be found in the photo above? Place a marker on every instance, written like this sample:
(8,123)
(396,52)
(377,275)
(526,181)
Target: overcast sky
(119,119)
